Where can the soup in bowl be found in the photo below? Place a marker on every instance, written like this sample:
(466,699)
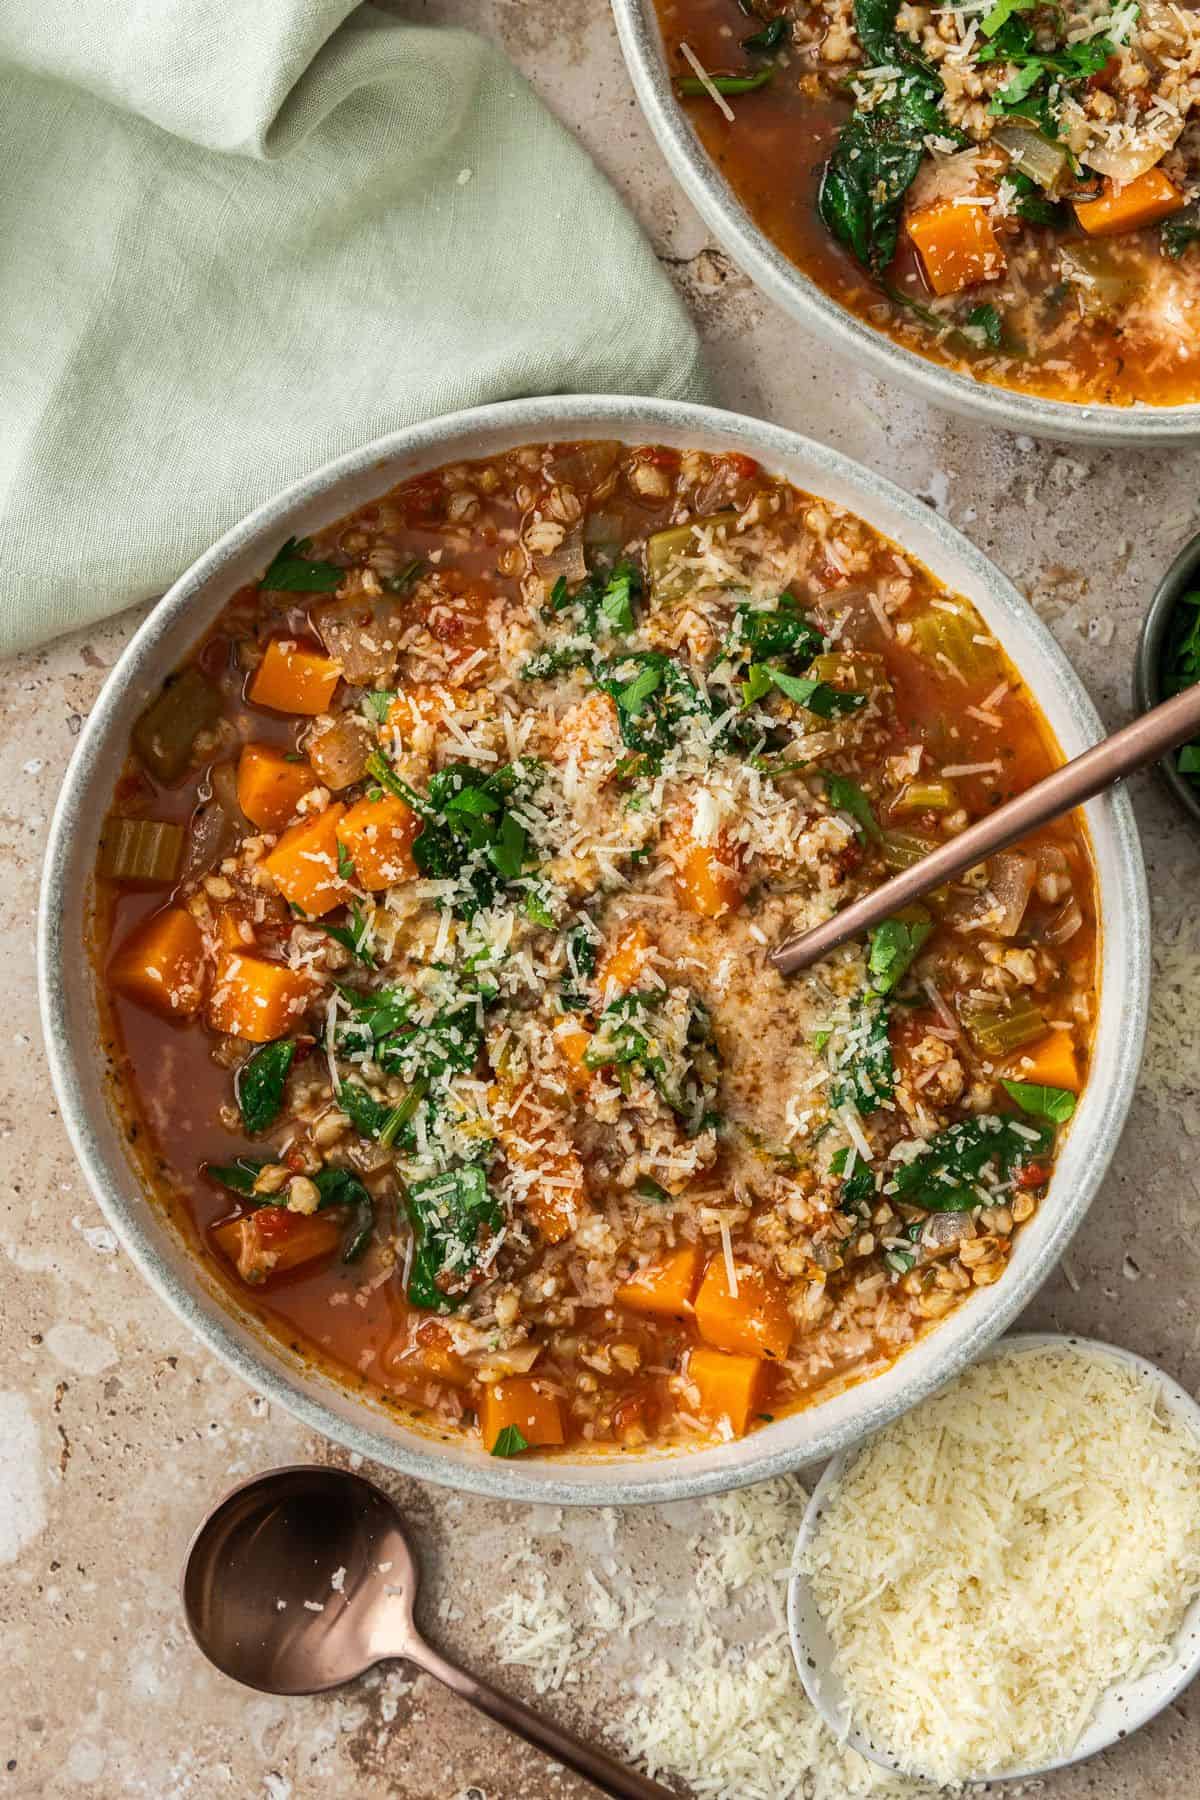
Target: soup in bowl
(431,918)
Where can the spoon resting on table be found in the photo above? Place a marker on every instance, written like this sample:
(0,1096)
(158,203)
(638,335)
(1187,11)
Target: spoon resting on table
(303,1579)
(1148,739)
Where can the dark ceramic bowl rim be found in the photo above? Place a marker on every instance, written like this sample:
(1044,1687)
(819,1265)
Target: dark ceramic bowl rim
(1183,573)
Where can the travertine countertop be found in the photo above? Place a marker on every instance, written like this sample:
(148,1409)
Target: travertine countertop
(116,1428)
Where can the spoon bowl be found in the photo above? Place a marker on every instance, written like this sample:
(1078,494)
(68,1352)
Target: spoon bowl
(302,1579)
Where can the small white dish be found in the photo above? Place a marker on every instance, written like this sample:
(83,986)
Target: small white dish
(1121,1710)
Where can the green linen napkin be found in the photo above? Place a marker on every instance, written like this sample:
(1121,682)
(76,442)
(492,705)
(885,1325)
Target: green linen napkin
(239,239)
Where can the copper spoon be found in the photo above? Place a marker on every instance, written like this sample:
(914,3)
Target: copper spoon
(302,1579)
(1161,729)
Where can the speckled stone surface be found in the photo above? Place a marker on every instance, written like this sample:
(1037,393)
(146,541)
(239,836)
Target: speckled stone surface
(116,1430)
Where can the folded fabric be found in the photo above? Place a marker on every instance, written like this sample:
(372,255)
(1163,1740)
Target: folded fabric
(241,239)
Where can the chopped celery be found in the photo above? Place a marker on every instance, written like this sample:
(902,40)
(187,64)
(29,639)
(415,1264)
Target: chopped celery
(1047,163)
(952,635)
(901,849)
(141,850)
(996,1029)
(165,734)
(669,579)
(856,669)
(926,796)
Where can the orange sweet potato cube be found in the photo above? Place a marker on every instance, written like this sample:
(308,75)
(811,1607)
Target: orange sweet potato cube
(304,864)
(273,1240)
(161,964)
(664,1288)
(255,999)
(522,1402)
(957,244)
(622,966)
(378,835)
(754,1320)
(728,1386)
(270,786)
(1051,1062)
(708,880)
(291,678)
(1153,196)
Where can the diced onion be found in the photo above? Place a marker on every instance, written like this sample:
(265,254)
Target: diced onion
(1011,878)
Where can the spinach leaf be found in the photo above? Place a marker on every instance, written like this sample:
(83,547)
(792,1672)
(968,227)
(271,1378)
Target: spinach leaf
(845,795)
(880,149)
(1032,204)
(448,1044)
(783,631)
(291,571)
(986,319)
(769,39)
(372,1119)
(948,1173)
(654,698)
(402,580)
(895,945)
(557,660)
(240,1176)
(454,1217)
(1053,1103)
(858,1189)
(820,697)
(581,950)
(864,1074)
(1002,12)
(379,703)
(469,834)
(639,1035)
(260,1081)
(509,1441)
(354,937)
(1180,230)
(338,1187)
(373,1014)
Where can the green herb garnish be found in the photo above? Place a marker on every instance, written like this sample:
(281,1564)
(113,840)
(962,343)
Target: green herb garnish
(292,572)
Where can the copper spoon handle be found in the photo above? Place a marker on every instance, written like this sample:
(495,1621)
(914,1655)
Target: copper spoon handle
(1163,728)
(602,1771)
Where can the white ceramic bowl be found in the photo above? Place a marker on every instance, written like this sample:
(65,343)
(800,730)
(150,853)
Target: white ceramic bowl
(70,1019)
(1122,1709)
(767,266)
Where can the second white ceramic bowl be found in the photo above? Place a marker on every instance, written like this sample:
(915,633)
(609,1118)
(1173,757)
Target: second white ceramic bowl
(1121,1709)
(767,266)
(72,1029)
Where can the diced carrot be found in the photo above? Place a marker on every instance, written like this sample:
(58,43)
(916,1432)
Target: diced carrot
(272,1240)
(957,245)
(293,679)
(270,786)
(524,1402)
(378,834)
(754,1321)
(728,1386)
(665,1287)
(304,864)
(161,964)
(256,1000)
(708,880)
(573,1039)
(1151,197)
(436,1355)
(1051,1062)
(550,1185)
(623,964)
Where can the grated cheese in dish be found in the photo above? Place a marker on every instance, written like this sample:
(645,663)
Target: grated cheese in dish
(990,1563)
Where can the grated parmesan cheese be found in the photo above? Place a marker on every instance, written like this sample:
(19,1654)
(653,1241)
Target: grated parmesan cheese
(1015,1545)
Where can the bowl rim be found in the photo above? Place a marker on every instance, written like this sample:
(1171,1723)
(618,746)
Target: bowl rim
(798,294)
(1181,1402)
(1184,572)
(536,419)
